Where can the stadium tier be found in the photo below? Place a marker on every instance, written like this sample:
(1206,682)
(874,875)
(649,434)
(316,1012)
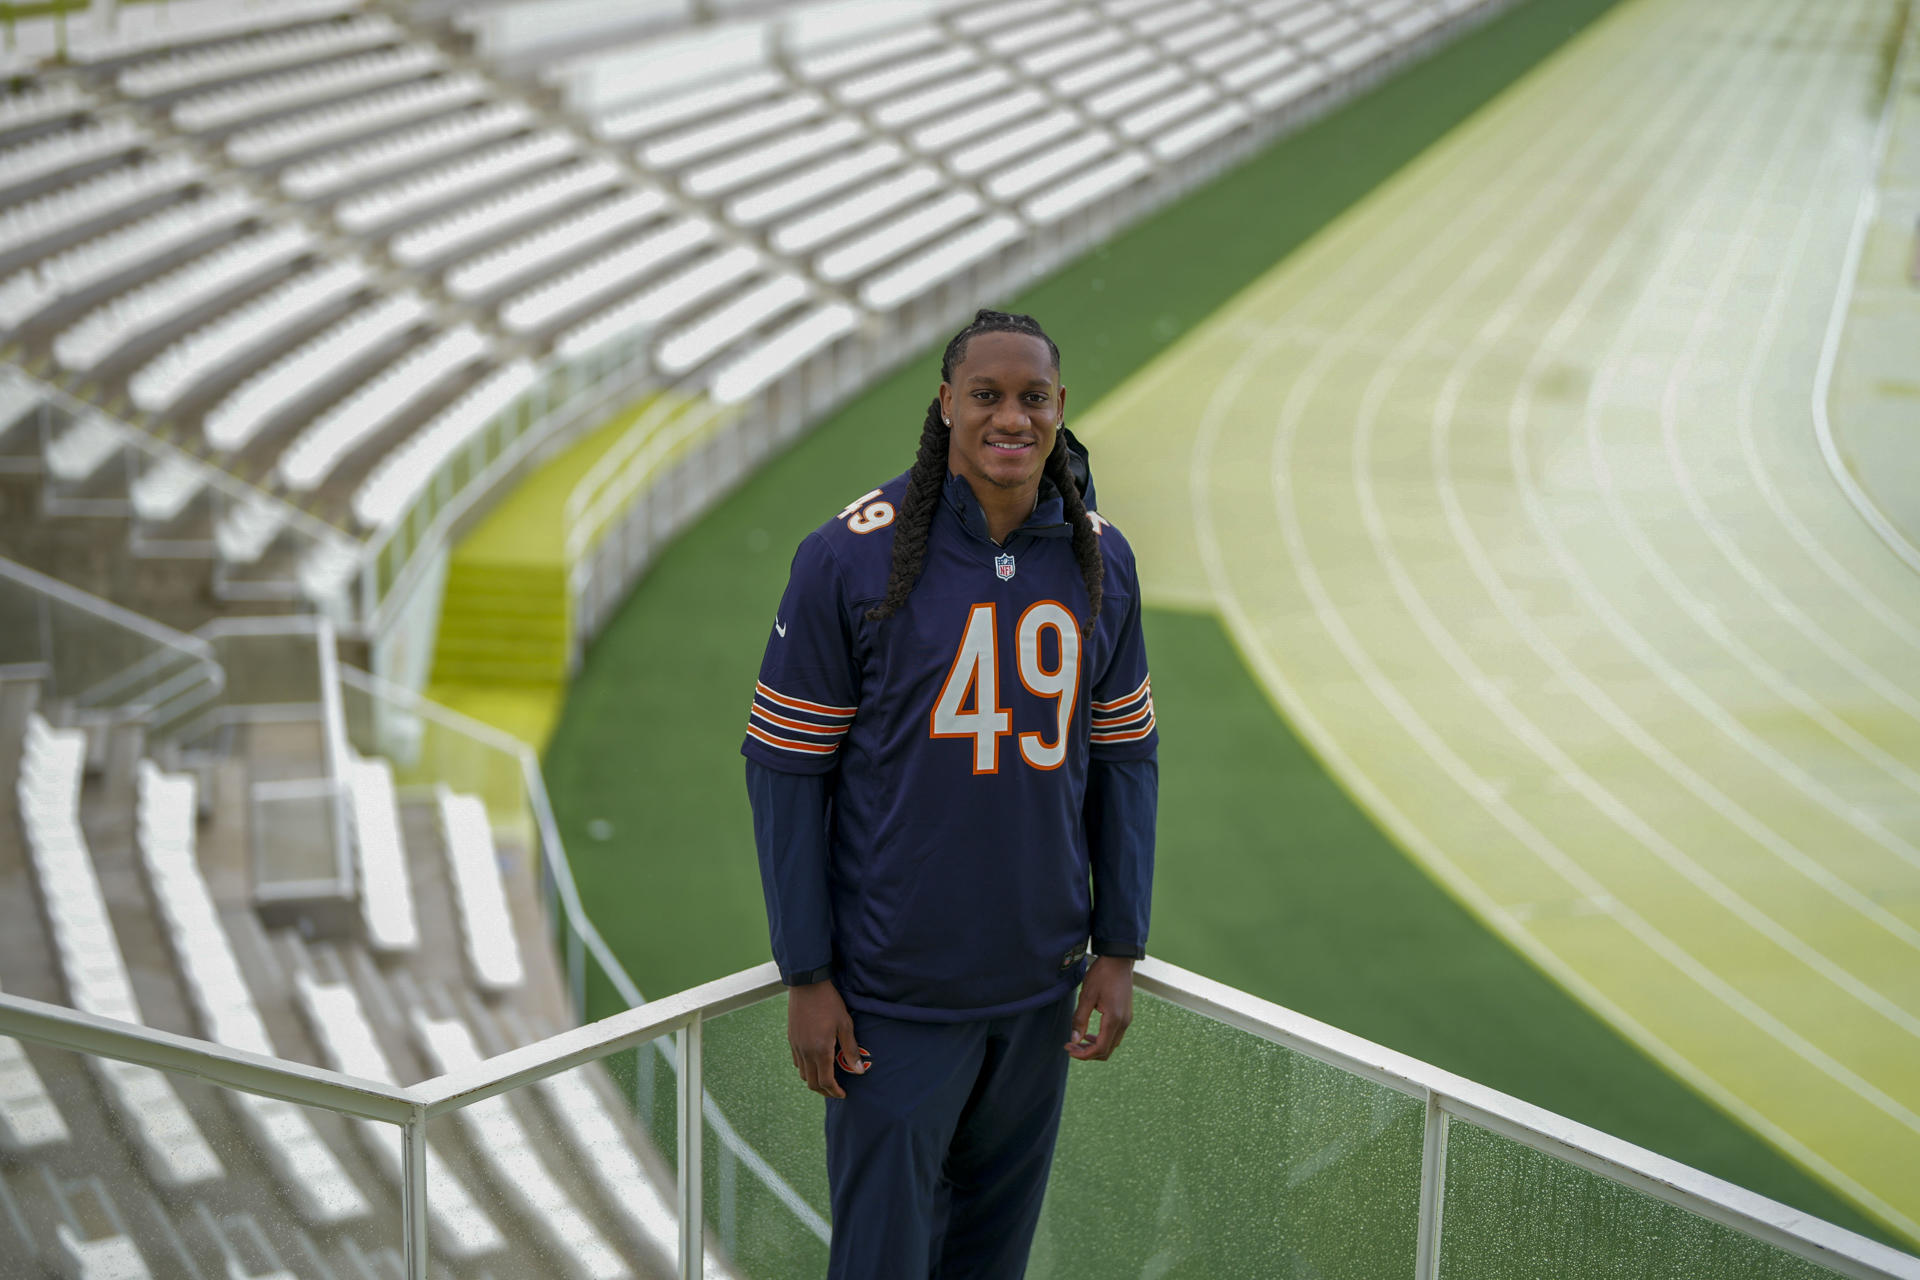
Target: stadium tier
(305,283)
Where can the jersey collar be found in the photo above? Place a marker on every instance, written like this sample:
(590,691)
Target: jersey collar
(1047,520)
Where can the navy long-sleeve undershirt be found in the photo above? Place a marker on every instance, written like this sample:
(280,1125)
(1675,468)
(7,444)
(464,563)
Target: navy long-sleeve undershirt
(790,834)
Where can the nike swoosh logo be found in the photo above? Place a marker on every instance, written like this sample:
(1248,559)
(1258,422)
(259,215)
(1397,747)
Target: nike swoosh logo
(780,626)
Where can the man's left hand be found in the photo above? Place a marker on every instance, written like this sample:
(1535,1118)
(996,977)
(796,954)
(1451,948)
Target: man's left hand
(1107,988)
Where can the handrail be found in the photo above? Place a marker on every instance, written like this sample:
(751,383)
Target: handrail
(1449,1095)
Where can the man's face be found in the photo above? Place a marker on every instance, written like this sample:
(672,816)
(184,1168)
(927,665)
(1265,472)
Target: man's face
(1005,403)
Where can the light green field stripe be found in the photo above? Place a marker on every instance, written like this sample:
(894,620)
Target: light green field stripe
(1506,487)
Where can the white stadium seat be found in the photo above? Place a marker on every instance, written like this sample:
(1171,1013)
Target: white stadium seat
(364,413)
(1011,144)
(1165,113)
(362,162)
(1290,87)
(770,159)
(1049,167)
(114,1257)
(107,327)
(1199,131)
(1085,187)
(61,210)
(48,101)
(1267,66)
(656,114)
(1065,54)
(855,210)
(512,1160)
(77,453)
(863,253)
(306,130)
(480,893)
(880,51)
(64,148)
(605,273)
(1135,92)
(711,137)
(1085,79)
(233,422)
(162,380)
(655,306)
(193,67)
(763,204)
(921,273)
(488,217)
(170,1144)
(901,112)
(32,289)
(996,113)
(244,533)
(218,107)
(164,489)
(766,361)
(556,240)
(460,1228)
(401,476)
(436,186)
(139,27)
(386,887)
(215,984)
(733,320)
(895,77)
(29,1120)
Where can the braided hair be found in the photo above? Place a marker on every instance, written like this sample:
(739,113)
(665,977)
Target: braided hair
(930,470)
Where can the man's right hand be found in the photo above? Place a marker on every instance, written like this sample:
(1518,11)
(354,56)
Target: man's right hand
(818,1028)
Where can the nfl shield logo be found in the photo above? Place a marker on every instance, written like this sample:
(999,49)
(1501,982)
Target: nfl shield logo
(1003,565)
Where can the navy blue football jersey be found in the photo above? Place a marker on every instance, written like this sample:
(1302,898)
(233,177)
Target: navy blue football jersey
(958,734)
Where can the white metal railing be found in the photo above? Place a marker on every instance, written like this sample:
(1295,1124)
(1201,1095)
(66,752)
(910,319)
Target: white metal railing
(1446,1097)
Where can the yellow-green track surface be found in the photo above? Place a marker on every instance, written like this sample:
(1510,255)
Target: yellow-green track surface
(1509,488)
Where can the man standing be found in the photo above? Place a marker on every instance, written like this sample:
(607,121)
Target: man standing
(951,762)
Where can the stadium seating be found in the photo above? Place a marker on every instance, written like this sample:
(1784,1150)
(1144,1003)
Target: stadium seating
(271,94)
(662,302)
(493,950)
(503,212)
(349,166)
(93,198)
(383,205)
(29,1119)
(164,489)
(306,130)
(514,1163)
(218,989)
(460,1228)
(407,470)
(82,449)
(170,1143)
(605,273)
(49,153)
(386,886)
(556,241)
(190,68)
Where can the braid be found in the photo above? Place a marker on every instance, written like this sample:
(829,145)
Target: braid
(1086,543)
(916,513)
(930,468)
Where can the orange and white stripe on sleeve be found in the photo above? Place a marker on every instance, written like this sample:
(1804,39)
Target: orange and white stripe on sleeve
(1124,719)
(796,725)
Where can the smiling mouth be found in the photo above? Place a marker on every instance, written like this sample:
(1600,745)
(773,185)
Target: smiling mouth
(1010,446)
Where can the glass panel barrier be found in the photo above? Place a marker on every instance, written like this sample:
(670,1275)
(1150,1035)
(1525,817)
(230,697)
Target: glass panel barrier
(1513,1213)
(109,1163)
(766,1192)
(1201,1150)
(556,1177)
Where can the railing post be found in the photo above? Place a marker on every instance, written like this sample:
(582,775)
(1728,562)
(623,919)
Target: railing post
(1433,1191)
(692,1145)
(413,1195)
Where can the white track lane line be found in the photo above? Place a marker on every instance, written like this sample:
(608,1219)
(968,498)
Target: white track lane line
(1837,323)
(1441,310)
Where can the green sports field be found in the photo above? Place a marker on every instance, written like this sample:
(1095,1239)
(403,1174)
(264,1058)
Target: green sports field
(1512,713)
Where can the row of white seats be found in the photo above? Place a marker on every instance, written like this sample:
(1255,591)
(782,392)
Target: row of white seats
(160,383)
(170,1144)
(788,196)
(538,307)
(385,883)
(240,415)
(65,148)
(384,204)
(192,67)
(303,1165)
(288,89)
(516,205)
(767,360)
(32,289)
(459,1228)
(246,529)
(47,101)
(368,410)
(572,1243)
(486,271)
(29,1120)
(307,130)
(700,341)
(362,162)
(163,490)
(79,451)
(660,303)
(137,28)
(91,198)
(109,326)
(386,494)
(479,893)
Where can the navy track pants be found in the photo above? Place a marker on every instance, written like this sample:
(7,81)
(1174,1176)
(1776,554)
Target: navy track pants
(938,1155)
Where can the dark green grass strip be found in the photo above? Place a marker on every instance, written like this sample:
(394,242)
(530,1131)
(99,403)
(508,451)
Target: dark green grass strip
(1270,879)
